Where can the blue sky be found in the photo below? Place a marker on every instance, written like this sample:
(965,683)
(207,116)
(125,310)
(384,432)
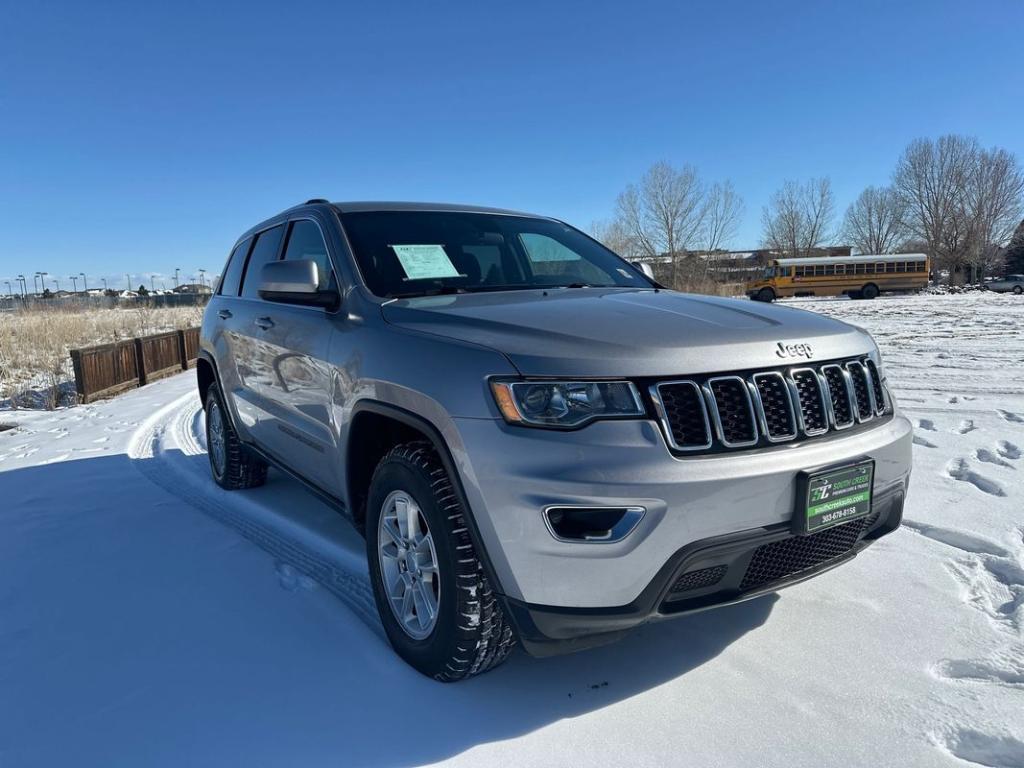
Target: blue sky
(143,137)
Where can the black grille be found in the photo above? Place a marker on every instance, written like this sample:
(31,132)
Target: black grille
(788,557)
(876,384)
(777,405)
(685,414)
(735,412)
(704,577)
(712,413)
(838,394)
(860,390)
(809,389)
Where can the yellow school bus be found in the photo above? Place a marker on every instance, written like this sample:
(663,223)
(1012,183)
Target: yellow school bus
(859,277)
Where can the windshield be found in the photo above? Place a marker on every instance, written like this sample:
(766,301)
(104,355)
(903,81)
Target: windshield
(769,273)
(417,253)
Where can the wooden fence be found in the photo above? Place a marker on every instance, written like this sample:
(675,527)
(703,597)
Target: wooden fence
(110,369)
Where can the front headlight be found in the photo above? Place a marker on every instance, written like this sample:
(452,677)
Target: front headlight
(565,403)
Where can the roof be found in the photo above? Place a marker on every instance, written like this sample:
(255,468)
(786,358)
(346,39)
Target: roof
(870,258)
(370,205)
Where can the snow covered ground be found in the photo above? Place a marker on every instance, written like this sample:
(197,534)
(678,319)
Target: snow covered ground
(148,618)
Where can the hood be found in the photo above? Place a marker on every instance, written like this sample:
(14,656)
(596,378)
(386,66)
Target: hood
(592,332)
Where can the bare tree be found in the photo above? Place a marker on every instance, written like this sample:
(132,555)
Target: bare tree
(798,217)
(931,179)
(723,210)
(874,221)
(664,214)
(993,206)
(615,236)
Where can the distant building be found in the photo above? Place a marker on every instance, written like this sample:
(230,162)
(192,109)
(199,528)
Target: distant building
(193,288)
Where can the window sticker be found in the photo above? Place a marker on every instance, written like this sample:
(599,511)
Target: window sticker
(424,262)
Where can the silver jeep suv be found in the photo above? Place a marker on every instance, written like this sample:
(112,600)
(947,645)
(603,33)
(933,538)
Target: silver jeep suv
(541,444)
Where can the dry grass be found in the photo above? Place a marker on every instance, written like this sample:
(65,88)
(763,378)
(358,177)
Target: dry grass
(35,367)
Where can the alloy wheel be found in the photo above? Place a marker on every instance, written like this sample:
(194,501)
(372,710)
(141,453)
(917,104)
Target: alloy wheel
(408,565)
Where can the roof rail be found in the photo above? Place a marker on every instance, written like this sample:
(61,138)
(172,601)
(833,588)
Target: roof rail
(316,200)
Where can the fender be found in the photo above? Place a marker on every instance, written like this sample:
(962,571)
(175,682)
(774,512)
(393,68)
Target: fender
(433,434)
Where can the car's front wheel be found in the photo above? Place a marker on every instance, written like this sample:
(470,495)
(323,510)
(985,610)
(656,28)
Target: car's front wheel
(1018,290)
(434,600)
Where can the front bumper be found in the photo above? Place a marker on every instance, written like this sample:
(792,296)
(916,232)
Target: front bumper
(511,474)
(705,574)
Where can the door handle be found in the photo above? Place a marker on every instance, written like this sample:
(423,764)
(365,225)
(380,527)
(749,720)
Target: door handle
(223,314)
(265,323)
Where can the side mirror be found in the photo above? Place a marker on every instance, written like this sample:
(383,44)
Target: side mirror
(644,267)
(295,282)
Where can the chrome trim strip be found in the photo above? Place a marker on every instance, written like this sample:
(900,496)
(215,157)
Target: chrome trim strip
(630,520)
(851,402)
(659,406)
(867,385)
(826,406)
(760,407)
(717,416)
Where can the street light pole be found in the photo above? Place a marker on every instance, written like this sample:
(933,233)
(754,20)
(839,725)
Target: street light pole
(85,283)
(105,289)
(74,282)
(128,278)
(176,271)
(10,291)
(56,281)
(24,291)
(202,277)
(42,280)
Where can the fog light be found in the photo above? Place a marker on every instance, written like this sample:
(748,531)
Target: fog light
(592,524)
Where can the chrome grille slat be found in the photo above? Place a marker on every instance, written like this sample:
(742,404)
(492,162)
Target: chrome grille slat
(813,403)
(840,392)
(683,414)
(776,411)
(706,413)
(732,411)
(876,387)
(862,397)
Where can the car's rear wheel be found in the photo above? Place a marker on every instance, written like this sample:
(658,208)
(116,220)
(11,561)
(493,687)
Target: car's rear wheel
(869,291)
(232,466)
(1018,290)
(434,600)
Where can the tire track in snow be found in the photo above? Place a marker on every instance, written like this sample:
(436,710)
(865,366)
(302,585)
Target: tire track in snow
(162,449)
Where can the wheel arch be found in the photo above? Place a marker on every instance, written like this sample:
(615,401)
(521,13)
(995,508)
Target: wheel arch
(395,422)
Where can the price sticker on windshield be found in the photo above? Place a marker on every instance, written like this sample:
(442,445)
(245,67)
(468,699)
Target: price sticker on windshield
(425,262)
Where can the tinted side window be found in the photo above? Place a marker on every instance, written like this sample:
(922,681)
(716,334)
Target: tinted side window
(232,279)
(265,250)
(306,242)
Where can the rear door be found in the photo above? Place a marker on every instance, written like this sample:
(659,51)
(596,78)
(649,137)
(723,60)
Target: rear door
(248,353)
(226,315)
(295,377)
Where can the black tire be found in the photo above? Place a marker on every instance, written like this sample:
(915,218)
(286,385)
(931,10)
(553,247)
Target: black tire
(766,295)
(470,635)
(1017,290)
(869,292)
(241,469)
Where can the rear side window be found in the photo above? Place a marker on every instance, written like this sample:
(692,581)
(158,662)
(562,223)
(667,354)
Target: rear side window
(267,245)
(306,242)
(232,279)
